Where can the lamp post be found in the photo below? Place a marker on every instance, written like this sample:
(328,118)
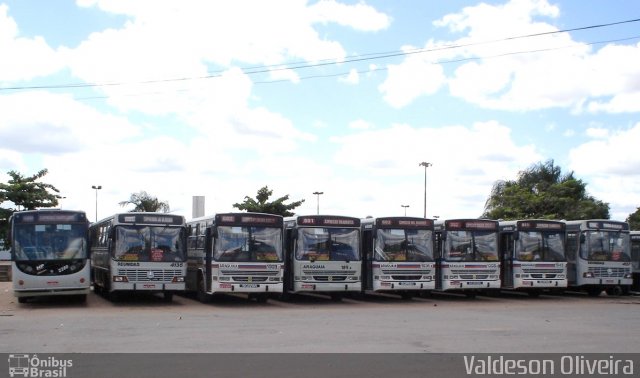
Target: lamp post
(96,187)
(425,165)
(405,209)
(318,201)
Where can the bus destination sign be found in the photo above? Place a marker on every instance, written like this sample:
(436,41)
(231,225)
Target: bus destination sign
(404,223)
(151,219)
(328,221)
(249,219)
(540,225)
(609,225)
(471,224)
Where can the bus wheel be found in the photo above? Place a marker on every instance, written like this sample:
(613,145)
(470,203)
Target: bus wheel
(406,295)
(262,298)
(470,294)
(594,291)
(615,291)
(534,294)
(168,296)
(22,299)
(82,298)
(336,297)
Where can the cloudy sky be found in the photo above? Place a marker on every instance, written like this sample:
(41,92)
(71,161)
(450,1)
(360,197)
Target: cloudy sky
(220,98)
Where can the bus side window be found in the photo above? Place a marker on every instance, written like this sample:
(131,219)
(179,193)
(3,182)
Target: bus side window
(572,246)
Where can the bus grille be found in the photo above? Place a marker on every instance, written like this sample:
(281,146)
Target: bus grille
(601,271)
(246,279)
(328,272)
(250,272)
(464,272)
(406,278)
(326,278)
(404,271)
(474,276)
(143,275)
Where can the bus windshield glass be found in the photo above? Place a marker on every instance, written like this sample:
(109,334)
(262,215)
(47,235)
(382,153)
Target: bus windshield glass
(540,246)
(404,245)
(606,246)
(247,244)
(50,241)
(149,243)
(328,244)
(471,246)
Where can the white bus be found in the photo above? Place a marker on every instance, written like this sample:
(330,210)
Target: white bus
(139,252)
(599,256)
(467,256)
(322,254)
(635,260)
(533,256)
(49,253)
(235,253)
(397,255)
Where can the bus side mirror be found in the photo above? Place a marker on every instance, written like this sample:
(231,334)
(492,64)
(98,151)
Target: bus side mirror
(294,233)
(212,232)
(582,238)
(516,235)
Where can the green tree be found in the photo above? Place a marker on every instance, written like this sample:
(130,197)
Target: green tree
(634,220)
(543,192)
(25,193)
(260,204)
(144,202)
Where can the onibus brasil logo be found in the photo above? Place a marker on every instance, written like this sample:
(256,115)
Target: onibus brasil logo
(25,365)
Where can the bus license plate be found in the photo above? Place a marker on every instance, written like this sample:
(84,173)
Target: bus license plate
(407,283)
(474,282)
(544,282)
(250,286)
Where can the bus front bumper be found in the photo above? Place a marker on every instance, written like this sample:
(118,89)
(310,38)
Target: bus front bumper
(301,286)
(147,286)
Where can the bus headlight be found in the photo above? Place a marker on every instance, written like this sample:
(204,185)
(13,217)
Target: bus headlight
(120,279)
(353,278)
(628,275)
(385,277)
(224,278)
(274,279)
(453,277)
(560,276)
(177,279)
(587,275)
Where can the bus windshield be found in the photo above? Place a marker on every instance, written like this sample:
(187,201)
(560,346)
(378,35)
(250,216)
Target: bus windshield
(606,246)
(540,246)
(471,246)
(404,245)
(149,243)
(246,244)
(328,244)
(49,242)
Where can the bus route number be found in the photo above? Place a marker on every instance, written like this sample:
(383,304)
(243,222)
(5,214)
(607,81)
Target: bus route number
(177,264)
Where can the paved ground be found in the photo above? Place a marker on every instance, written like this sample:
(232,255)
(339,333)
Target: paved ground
(509,323)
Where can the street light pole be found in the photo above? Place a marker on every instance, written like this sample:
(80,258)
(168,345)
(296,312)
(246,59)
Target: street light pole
(318,201)
(96,187)
(405,209)
(425,165)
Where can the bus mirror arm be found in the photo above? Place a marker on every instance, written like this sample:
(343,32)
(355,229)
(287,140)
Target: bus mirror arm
(516,235)
(582,238)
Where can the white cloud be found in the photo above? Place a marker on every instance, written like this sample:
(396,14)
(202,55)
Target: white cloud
(466,162)
(23,58)
(360,124)
(569,76)
(597,133)
(359,16)
(610,165)
(414,77)
(352,78)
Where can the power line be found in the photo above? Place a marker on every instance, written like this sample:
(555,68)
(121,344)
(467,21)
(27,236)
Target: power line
(324,62)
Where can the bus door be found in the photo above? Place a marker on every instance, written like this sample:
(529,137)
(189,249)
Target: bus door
(287,278)
(367,259)
(437,254)
(210,234)
(506,257)
(573,240)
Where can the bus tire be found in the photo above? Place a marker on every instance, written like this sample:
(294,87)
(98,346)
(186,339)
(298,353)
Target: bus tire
(336,297)
(594,291)
(167,296)
(407,296)
(81,298)
(615,291)
(534,294)
(262,298)
(22,299)
(471,294)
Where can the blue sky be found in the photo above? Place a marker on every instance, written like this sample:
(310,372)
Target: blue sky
(220,98)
